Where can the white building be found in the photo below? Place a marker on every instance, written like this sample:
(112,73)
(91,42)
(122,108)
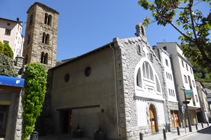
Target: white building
(184,77)
(10,31)
(170,85)
(202,114)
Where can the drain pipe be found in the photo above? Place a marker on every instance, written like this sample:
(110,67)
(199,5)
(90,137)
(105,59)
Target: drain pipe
(117,111)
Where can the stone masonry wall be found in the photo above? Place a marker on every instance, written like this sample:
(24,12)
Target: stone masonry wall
(127,59)
(34,33)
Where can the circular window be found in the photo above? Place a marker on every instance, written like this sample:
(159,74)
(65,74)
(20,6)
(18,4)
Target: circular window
(87,71)
(66,77)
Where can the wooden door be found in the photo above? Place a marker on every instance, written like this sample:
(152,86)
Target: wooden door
(172,119)
(152,119)
(176,118)
(69,121)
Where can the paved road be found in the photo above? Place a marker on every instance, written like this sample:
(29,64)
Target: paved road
(201,135)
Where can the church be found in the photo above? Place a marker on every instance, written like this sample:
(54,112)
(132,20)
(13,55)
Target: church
(119,87)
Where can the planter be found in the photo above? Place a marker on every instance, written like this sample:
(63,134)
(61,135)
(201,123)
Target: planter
(77,134)
(99,136)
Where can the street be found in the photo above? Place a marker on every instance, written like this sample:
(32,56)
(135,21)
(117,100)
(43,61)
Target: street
(201,135)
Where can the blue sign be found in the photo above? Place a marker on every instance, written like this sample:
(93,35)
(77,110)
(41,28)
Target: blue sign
(188,94)
(11,81)
(183,110)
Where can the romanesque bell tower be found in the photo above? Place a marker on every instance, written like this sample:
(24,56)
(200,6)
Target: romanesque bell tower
(40,43)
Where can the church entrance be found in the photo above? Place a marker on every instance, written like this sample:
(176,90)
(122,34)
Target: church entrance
(174,118)
(66,124)
(152,119)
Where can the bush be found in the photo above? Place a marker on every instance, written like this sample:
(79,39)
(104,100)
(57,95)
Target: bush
(1,47)
(35,89)
(6,66)
(8,51)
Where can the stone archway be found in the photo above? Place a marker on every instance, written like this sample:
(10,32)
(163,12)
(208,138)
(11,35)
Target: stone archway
(153,118)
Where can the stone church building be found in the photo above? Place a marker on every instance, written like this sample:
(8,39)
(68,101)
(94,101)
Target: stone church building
(120,86)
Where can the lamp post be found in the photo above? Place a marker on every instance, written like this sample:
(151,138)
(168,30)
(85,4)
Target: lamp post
(188,115)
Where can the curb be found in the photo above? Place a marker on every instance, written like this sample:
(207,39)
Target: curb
(190,133)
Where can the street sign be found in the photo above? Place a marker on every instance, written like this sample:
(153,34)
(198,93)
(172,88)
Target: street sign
(188,94)
(183,110)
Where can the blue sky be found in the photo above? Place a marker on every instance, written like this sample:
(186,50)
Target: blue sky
(89,24)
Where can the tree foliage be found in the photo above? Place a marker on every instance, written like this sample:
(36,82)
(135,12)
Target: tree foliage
(1,47)
(8,51)
(6,66)
(35,89)
(195,26)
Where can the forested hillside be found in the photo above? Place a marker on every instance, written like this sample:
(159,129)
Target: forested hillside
(202,74)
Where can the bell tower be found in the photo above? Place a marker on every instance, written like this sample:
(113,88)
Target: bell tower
(40,43)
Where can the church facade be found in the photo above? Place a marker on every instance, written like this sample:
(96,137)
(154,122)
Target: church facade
(120,87)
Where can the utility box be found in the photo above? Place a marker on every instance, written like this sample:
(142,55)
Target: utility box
(34,135)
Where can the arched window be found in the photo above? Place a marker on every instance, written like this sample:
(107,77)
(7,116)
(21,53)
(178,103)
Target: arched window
(46,18)
(42,57)
(31,20)
(28,41)
(144,70)
(46,58)
(157,84)
(47,39)
(49,19)
(138,78)
(26,59)
(147,71)
(43,38)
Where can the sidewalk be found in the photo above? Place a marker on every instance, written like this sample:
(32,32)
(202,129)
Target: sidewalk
(173,134)
(159,136)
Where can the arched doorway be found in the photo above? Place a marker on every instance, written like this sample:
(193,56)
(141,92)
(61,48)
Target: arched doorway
(152,119)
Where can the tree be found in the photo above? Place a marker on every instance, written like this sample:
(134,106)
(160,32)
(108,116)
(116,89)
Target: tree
(8,51)
(195,26)
(1,47)
(35,89)
(6,66)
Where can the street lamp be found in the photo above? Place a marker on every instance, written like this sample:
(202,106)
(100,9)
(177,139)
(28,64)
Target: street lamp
(186,104)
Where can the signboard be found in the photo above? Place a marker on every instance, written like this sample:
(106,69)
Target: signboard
(10,81)
(183,110)
(188,94)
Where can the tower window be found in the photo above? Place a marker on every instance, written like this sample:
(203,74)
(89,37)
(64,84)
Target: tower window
(31,20)
(44,58)
(26,59)
(28,41)
(166,62)
(48,19)
(45,38)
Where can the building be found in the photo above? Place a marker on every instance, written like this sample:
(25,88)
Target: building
(184,77)
(11,107)
(119,86)
(40,43)
(10,31)
(202,114)
(209,102)
(171,98)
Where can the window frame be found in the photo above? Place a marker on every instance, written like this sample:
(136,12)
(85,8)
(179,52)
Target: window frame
(7,32)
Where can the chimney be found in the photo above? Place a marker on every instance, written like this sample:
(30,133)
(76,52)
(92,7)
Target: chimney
(17,19)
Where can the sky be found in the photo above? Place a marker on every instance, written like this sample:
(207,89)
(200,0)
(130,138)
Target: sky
(89,24)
